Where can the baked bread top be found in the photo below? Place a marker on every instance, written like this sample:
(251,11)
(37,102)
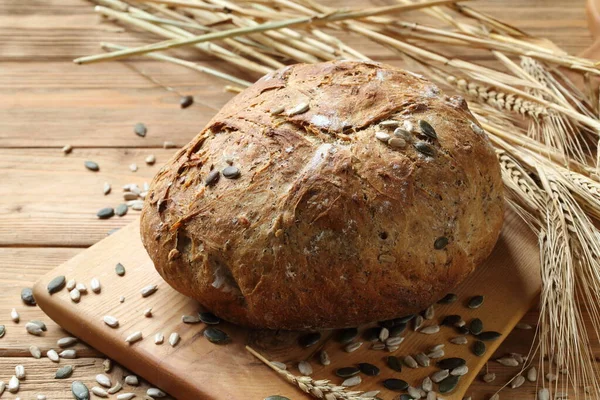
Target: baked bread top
(325,196)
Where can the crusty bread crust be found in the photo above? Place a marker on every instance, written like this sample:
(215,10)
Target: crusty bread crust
(326,226)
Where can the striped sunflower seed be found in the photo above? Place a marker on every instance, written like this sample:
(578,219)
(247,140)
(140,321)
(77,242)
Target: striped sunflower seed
(305,368)
(508,362)
(134,337)
(13,384)
(460,371)
(382,136)
(35,352)
(149,290)
(106,188)
(67,341)
(384,333)
(33,329)
(349,348)
(352,381)
(126,396)
(174,339)
(75,295)
(422,360)
(27,296)
(427,384)
(459,340)
(429,313)
(427,129)
(517,382)
(439,376)
(118,386)
(111,321)
(489,377)
(475,302)
(99,392)
(103,380)
(68,354)
(430,330)
(324,357)
(414,393)
(410,362)
(436,354)
(418,322)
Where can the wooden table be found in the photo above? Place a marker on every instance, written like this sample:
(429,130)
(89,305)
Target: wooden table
(48,201)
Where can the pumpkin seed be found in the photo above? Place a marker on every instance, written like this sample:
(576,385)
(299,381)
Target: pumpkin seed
(347,372)
(68,354)
(395,384)
(305,368)
(231,172)
(489,335)
(134,337)
(394,363)
(475,302)
(324,358)
(532,374)
(215,335)
(309,339)
(120,269)
(517,382)
(159,338)
(33,329)
(478,348)
(352,347)
(439,353)
(14,315)
(382,136)
(368,369)
(448,299)
(427,384)
(410,362)
(459,340)
(489,377)
(174,339)
(345,336)
(126,396)
(422,359)
(212,178)
(35,352)
(451,363)
(111,321)
(52,355)
(418,321)
(397,330)
(98,391)
(371,334)
(427,129)
(424,149)
(476,326)
(75,295)
(103,380)
(118,386)
(57,284)
(414,393)
(27,296)
(149,290)
(460,371)
(64,372)
(209,318)
(448,384)
(430,330)
(67,148)
(140,129)
(91,165)
(186,101)
(508,362)
(299,109)
(80,391)
(523,326)
(95,285)
(463,330)
(105,213)
(440,243)
(439,376)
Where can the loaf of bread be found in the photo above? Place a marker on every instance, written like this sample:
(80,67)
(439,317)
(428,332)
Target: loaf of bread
(327,196)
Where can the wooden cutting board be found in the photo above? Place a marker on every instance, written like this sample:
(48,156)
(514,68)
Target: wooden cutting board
(198,369)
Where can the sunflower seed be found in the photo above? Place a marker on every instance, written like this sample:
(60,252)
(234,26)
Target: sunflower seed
(57,284)
(448,384)
(149,290)
(169,145)
(75,295)
(460,371)
(299,109)
(41,324)
(532,374)
(174,339)
(105,213)
(95,285)
(395,384)
(27,296)
(437,347)
(98,391)
(133,167)
(384,333)
(71,284)
(519,357)
(150,159)
(154,393)
(543,394)
(148,313)
(390,123)
(279,365)
(424,149)
(478,348)
(495,397)
(126,396)
(111,321)
(422,359)
(517,382)
(81,287)
(118,386)
(277,110)
(523,326)
(394,341)
(20,372)
(91,165)
(372,393)
(212,178)
(80,391)
(134,337)
(477,129)
(347,335)
(394,363)
(436,354)
(67,148)
(427,384)
(489,335)
(378,346)
(414,393)
(551,377)
(231,172)
(410,362)
(460,323)
(305,368)
(489,377)
(35,352)
(349,348)
(64,372)
(68,354)
(430,330)
(418,322)
(159,338)
(508,362)
(448,299)
(433,396)
(103,380)
(440,243)
(190,319)
(347,372)
(140,129)
(475,302)
(130,196)
(429,313)
(459,340)
(33,329)
(397,143)
(408,125)
(13,385)
(368,369)
(309,339)
(382,136)
(107,365)
(52,355)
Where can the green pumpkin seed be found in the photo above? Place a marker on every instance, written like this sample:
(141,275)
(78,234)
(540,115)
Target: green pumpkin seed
(371,334)
(489,335)
(231,172)
(209,318)
(347,335)
(397,330)
(186,101)
(41,324)
(395,384)
(120,269)
(368,369)
(394,363)
(57,284)
(448,299)
(92,166)
(440,243)
(27,296)
(427,129)
(215,335)
(140,129)
(478,348)
(450,320)
(212,178)
(448,384)
(451,363)
(347,372)
(64,372)
(80,391)
(309,339)
(475,302)
(105,213)
(476,326)
(121,209)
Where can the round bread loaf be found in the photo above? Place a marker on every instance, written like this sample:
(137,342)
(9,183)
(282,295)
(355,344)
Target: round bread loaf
(327,196)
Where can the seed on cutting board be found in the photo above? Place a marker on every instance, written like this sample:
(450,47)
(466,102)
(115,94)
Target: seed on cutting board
(80,391)
(126,396)
(107,365)
(53,355)
(410,362)
(395,384)
(347,372)
(489,335)
(150,159)
(384,333)
(190,319)
(67,148)
(148,313)
(159,338)
(2,387)
(422,359)
(427,384)
(543,394)
(122,299)
(392,349)
(111,321)
(551,377)
(215,335)
(519,357)
(462,330)
(149,290)
(429,313)
(433,396)
(440,243)
(41,397)
(2,331)
(167,144)
(394,363)
(155,393)
(118,386)
(134,337)
(95,285)
(35,352)
(378,346)
(68,354)
(75,295)
(324,357)
(105,213)
(368,369)
(133,167)
(174,339)
(57,284)
(508,362)
(140,129)
(424,149)
(523,326)
(41,324)
(489,377)
(517,382)
(394,341)
(451,363)
(347,335)
(64,372)
(413,393)
(13,384)
(20,372)
(27,296)
(119,269)
(33,329)
(418,322)
(437,347)
(81,287)
(91,165)
(427,129)
(371,393)
(106,188)
(532,374)
(71,283)
(475,302)
(132,380)
(349,348)
(448,384)
(278,365)
(448,299)
(476,326)
(298,109)
(137,205)
(305,368)
(460,371)
(103,380)
(98,391)
(212,178)
(130,196)
(430,330)
(459,340)
(460,323)
(371,334)
(231,172)
(353,381)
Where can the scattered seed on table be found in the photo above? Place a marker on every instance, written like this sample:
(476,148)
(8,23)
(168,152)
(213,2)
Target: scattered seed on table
(2,387)
(351,347)
(418,321)
(103,380)
(111,321)
(368,369)
(150,159)
(508,362)
(80,391)
(427,384)
(460,371)
(532,374)
(52,355)
(92,166)
(35,352)
(95,285)
(107,365)
(118,386)
(154,393)
(121,209)
(489,335)
(353,381)
(392,349)
(133,167)
(305,368)
(519,357)
(126,396)
(430,330)
(41,397)
(413,392)
(169,145)
(433,396)
(517,382)
(64,372)
(174,339)
(448,384)
(551,377)
(186,101)
(159,338)
(105,213)
(371,393)
(2,331)
(347,372)
(119,269)
(378,346)
(33,329)
(140,129)
(190,319)
(543,394)
(148,313)
(523,326)
(215,335)
(394,341)
(130,196)
(384,333)
(324,357)
(122,299)
(489,377)
(132,380)
(459,340)
(20,372)
(57,284)
(448,299)
(475,302)
(71,283)
(451,363)
(410,362)
(209,318)
(395,384)
(437,347)
(149,290)
(98,391)
(134,337)
(67,148)
(137,205)
(27,296)
(394,363)
(75,295)
(13,384)
(429,313)
(422,359)
(427,129)
(68,354)
(478,348)
(476,326)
